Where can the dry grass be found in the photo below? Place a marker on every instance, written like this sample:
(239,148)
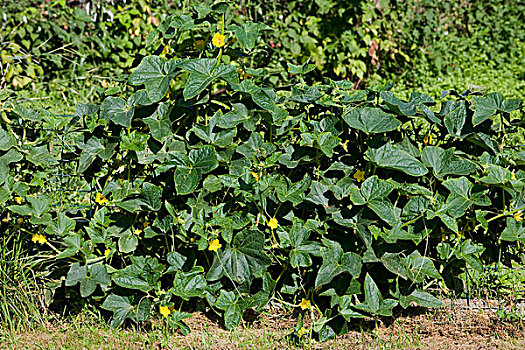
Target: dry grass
(439,329)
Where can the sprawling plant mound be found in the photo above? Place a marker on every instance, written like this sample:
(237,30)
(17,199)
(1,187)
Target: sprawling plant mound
(212,190)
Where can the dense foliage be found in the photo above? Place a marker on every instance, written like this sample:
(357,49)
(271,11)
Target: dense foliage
(199,184)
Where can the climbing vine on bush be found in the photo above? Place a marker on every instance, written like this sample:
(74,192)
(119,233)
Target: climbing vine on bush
(215,190)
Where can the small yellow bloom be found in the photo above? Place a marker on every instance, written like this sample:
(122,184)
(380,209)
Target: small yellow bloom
(100,199)
(165,310)
(37,238)
(345,145)
(214,245)
(518,216)
(427,139)
(359,176)
(255,175)
(18,200)
(301,331)
(273,223)
(512,176)
(146,224)
(137,232)
(275,246)
(106,252)
(20,220)
(218,40)
(198,45)
(305,304)
(192,239)
(5,220)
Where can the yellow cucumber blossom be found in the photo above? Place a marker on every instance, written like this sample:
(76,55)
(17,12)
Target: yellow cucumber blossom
(518,216)
(37,238)
(18,200)
(301,332)
(218,40)
(512,176)
(273,223)
(106,252)
(359,175)
(165,310)
(214,245)
(255,175)
(100,199)
(427,139)
(345,145)
(305,304)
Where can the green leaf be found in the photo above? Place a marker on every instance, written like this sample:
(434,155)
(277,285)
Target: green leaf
(486,107)
(122,308)
(244,259)
(116,109)
(186,180)
(97,275)
(514,231)
(227,301)
(445,162)
(61,225)
(128,242)
(155,75)
(335,262)
(371,120)
(390,157)
(7,140)
(248,33)
(204,159)
(300,69)
(327,142)
(189,284)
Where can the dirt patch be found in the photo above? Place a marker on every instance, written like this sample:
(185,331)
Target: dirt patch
(455,326)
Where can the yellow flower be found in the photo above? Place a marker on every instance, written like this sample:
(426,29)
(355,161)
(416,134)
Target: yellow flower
(359,176)
(37,238)
(100,199)
(198,45)
(106,252)
(5,220)
(214,245)
(165,310)
(512,176)
(18,200)
(301,331)
(345,145)
(305,304)
(192,239)
(427,139)
(145,224)
(273,223)
(255,175)
(20,220)
(218,40)
(518,216)
(137,232)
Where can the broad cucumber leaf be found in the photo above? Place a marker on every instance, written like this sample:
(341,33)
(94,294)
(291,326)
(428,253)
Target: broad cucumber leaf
(244,259)
(122,307)
(390,157)
(371,120)
(445,162)
(156,76)
(7,140)
(491,104)
(117,110)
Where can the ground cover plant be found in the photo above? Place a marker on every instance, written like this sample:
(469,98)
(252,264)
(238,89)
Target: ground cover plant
(202,183)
